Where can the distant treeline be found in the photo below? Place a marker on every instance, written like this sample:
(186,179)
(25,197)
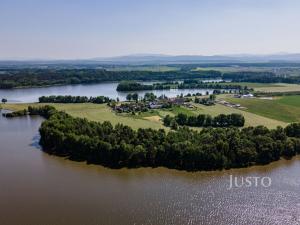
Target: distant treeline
(195,84)
(202,120)
(260,77)
(73,99)
(209,149)
(187,84)
(13,78)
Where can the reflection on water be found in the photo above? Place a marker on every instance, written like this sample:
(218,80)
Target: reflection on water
(37,188)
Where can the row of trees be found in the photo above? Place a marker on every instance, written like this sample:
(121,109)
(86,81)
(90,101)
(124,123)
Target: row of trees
(149,96)
(209,149)
(46,77)
(202,120)
(133,86)
(44,111)
(73,99)
(134,97)
(196,84)
(260,77)
(190,84)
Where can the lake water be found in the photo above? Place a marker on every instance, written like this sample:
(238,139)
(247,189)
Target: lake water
(104,89)
(36,188)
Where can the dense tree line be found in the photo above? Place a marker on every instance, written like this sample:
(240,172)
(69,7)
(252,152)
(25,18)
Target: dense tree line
(202,120)
(209,149)
(133,86)
(30,77)
(45,77)
(73,99)
(190,84)
(44,111)
(260,77)
(196,84)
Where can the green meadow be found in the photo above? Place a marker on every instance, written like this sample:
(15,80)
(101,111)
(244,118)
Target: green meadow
(153,118)
(286,108)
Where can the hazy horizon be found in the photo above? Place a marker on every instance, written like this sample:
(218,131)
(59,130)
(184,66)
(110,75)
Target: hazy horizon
(51,30)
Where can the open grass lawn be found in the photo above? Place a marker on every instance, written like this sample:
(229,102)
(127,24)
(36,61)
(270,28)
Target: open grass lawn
(102,113)
(286,108)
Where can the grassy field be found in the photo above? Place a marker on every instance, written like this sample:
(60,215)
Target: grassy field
(251,119)
(102,113)
(99,113)
(279,88)
(286,108)
(256,86)
(268,87)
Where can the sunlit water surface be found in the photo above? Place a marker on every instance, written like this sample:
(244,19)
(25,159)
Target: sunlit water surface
(36,189)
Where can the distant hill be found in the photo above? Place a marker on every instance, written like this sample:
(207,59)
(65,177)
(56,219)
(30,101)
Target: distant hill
(138,59)
(242,58)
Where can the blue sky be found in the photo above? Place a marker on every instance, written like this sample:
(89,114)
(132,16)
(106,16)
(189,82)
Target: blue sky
(72,29)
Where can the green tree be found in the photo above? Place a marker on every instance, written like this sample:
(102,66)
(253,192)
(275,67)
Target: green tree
(181,119)
(212,97)
(135,97)
(129,97)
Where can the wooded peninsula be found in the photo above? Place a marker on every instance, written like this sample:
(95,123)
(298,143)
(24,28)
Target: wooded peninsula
(121,146)
(209,149)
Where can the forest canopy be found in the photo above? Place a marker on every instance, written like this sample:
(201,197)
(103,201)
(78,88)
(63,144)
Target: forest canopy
(13,78)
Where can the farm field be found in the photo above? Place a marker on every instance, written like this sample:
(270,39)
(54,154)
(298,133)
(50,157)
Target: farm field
(286,108)
(279,88)
(251,119)
(268,87)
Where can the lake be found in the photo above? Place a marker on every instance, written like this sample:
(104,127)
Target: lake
(108,89)
(37,188)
